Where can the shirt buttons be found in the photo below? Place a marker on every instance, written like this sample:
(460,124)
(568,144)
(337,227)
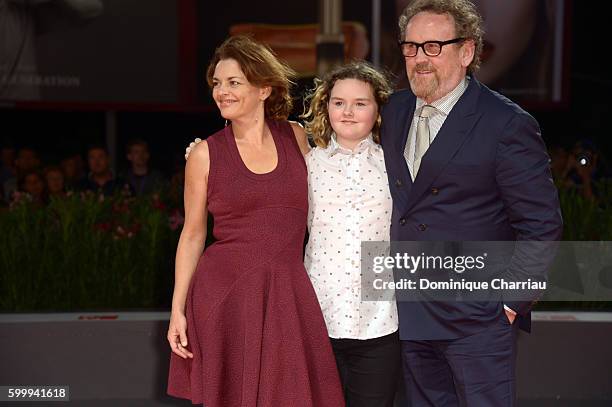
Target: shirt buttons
(422,227)
(398,182)
(435,191)
(402,221)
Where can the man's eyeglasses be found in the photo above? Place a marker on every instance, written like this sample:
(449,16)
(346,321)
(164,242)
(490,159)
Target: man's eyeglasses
(430,48)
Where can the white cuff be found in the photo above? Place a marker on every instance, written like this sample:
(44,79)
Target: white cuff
(510,310)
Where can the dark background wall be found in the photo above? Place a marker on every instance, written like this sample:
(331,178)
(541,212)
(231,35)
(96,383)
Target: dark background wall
(57,131)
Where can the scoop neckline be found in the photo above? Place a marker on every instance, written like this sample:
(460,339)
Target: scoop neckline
(280,153)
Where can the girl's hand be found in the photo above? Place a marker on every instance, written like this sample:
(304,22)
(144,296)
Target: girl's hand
(191,146)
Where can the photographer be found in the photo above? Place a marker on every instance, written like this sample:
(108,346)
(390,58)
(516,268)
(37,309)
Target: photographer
(580,168)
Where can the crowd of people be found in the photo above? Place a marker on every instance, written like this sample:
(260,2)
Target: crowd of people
(23,173)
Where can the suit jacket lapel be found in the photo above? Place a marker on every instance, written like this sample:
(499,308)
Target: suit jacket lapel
(451,136)
(402,121)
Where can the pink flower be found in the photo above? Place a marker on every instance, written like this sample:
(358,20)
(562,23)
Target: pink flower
(104,227)
(121,207)
(19,198)
(126,191)
(176,219)
(157,203)
(85,195)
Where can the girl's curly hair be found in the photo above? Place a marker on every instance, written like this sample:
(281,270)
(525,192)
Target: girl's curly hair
(316,116)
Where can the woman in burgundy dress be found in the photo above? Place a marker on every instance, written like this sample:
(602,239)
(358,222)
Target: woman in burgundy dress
(246,328)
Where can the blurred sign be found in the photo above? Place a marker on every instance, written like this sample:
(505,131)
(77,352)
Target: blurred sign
(118,51)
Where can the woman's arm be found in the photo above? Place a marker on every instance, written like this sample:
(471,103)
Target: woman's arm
(191,243)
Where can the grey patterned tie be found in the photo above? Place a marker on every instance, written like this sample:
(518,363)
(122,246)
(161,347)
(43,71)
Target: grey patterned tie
(422,136)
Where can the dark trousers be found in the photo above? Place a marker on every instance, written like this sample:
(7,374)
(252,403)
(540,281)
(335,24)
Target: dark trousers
(369,369)
(478,370)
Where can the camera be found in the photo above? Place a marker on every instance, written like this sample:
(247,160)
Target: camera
(584,159)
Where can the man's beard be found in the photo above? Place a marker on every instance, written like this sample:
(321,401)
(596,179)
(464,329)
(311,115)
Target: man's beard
(422,87)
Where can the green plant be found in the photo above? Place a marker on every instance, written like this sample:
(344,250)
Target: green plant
(85,251)
(584,220)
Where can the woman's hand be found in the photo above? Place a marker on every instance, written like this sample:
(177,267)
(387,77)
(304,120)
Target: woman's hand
(177,335)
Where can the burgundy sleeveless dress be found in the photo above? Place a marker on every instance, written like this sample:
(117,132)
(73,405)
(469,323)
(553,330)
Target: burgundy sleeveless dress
(253,320)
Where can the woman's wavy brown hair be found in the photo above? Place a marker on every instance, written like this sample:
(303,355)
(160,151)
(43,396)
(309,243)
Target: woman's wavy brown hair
(261,68)
(316,115)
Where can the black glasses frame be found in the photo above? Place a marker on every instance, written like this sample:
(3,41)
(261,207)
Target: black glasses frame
(422,46)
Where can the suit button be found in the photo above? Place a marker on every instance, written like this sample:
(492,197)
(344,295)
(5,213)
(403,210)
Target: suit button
(435,191)
(398,182)
(422,227)
(402,221)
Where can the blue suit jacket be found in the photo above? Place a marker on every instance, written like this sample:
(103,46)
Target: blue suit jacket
(485,177)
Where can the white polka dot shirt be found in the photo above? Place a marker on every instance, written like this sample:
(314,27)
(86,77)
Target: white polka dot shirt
(349,202)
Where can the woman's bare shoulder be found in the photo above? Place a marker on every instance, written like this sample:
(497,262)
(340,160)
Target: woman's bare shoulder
(300,136)
(199,158)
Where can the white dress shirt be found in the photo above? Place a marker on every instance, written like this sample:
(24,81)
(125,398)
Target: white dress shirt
(349,202)
(443,106)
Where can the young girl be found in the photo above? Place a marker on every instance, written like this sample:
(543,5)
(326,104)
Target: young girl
(349,202)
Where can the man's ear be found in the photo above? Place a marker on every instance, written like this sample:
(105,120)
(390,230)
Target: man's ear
(265,92)
(467,53)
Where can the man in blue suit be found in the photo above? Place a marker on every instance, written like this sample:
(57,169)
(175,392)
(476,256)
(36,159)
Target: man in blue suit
(464,164)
